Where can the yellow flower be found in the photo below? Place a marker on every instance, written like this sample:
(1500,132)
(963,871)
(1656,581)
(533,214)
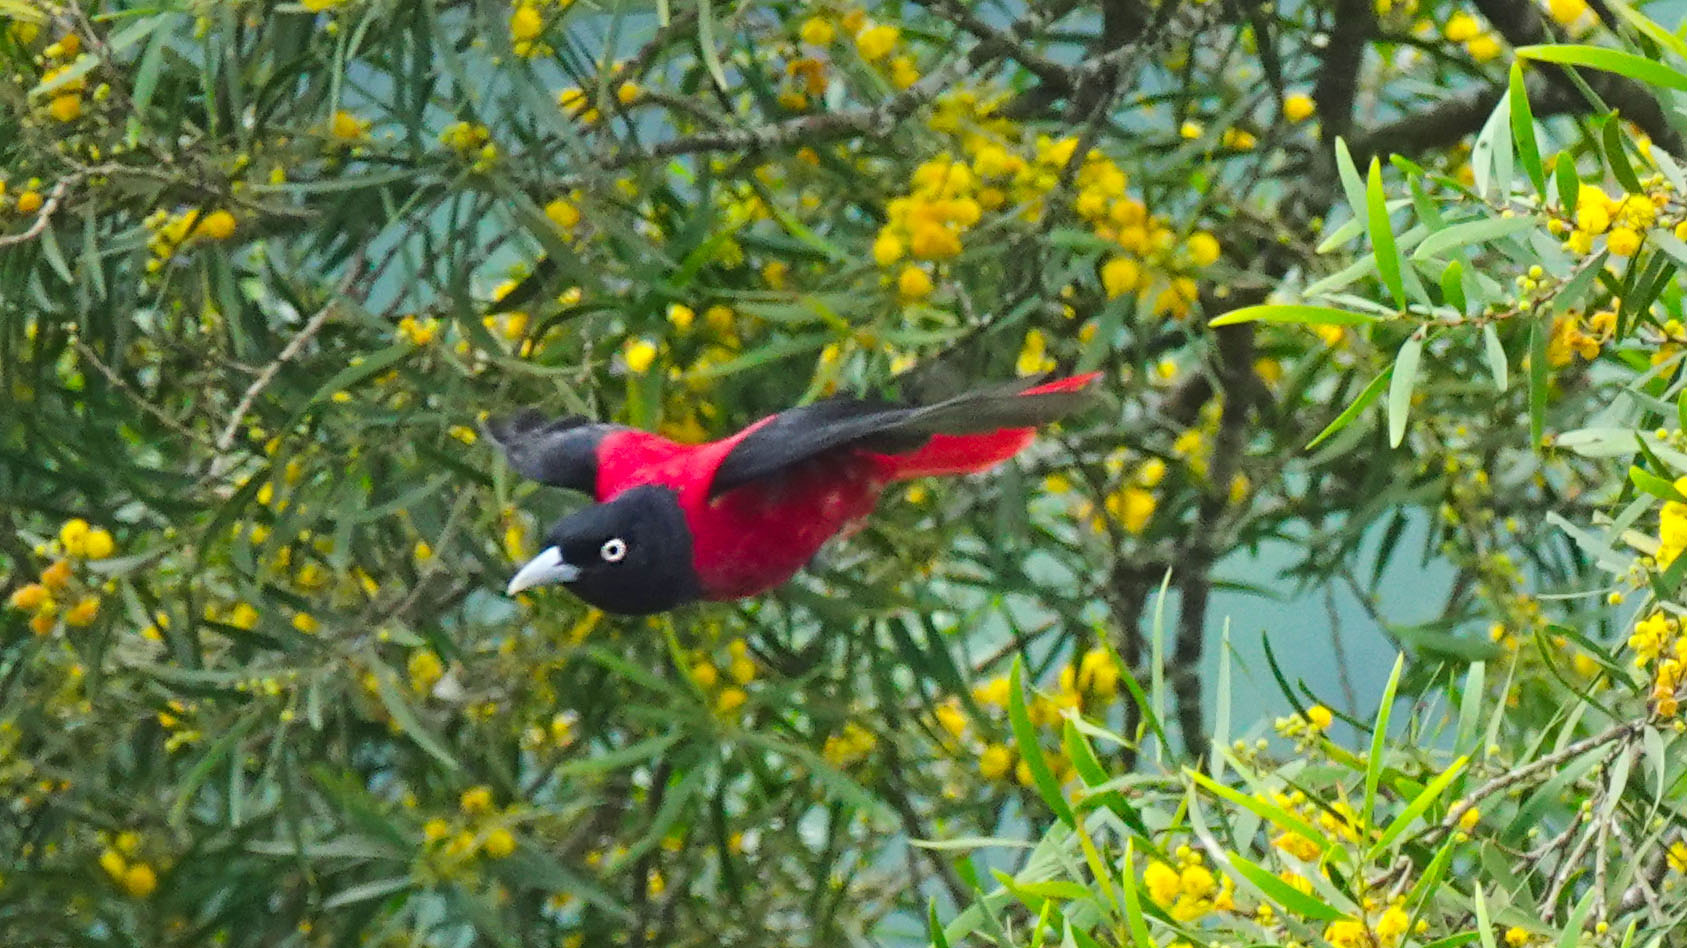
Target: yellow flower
(627,93)
(1483,48)
(1319,717)
(435,830)
(1298,107)
(1133,507)
(887,248)
(730,700)
(1623,242)
(903,72)
(73,535)
(875,42)
(475,800)
(913,284)
(1033,357)
(1119,276)
(638,353)
(217,225)
(993,692)
(952,719)
(499,843)
(139,880)
(30,598)
(995,761)
(1190,130)
(306,623)
(1567,12)
(83,613)
(563,214)
(56,576)
(425,670)
(817,31)
(1461,26)
(1203,248)
(1514,936)
(66,107)
(525,23)
(1162,882)
(114,864)
(29,201)
(98,544)
(346,126)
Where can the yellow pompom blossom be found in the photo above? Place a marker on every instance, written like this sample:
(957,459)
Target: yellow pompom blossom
(30,598)
(499,843)
(475,800)
(66,107)
(83,613)
(1461,27)
(1484,48)
(995,761)
(575,103)
(1188,890)
(1567,13)
(217,225)
(418,332)
(638,354)
(526,23)
(817,31)
(1203,248)
(904,72)
(1033,354)
(56,576)
(876,41)
(72,535)
(1298,107)
(1121,276)
(29,201)
(849,746)
(913,284)
(564,213)
(993,692)
(730,700)
(347,127)
(1623,242)
(1132,507)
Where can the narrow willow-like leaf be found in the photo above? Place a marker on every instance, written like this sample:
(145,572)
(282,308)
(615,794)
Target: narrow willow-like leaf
(1031,749)
(1382,235)
(1452,286)
(1616,157)
(1293,313)
(1569,183)
(1537,382)
(1289,897)
(1351,183)
(1379,739)
(1652,484)
(1419,805)
(1366,396)
(1495,353)
(1523,131)
(1478,231)
(1639,68)
(1400,387)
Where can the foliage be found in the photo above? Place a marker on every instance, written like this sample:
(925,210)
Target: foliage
(265,266)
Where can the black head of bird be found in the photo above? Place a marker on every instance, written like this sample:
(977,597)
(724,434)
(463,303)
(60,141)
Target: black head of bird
(631,555)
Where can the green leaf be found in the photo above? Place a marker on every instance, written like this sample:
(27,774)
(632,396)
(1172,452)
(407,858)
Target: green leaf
(1419,805)
(1133,900)
(1400,388)
(1478,231)
(1652,484)
(1262,807)
(1368,395)
(934,926)
(1523,131)
(706,44)
(1569,183)
(1031,749)
(1289,897)
(1382,235)
(1496,356)
(1293,313)
(1639,68)
(1379,740)
(387,686)
(1351,183)
(1616,157)
(1452,285)
(1537,382)
(1485,925)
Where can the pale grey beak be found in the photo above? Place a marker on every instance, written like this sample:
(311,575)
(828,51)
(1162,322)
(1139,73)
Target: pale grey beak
(547,567)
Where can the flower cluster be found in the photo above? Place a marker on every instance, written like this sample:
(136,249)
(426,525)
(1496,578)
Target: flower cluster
(1087,685)
(479,830)
(173,233)
(724,681)
(134,876)
(1657,642)
(1188,890)
(57,594)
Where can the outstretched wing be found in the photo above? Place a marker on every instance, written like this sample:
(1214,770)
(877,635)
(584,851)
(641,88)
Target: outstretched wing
(887,427)
(562,453)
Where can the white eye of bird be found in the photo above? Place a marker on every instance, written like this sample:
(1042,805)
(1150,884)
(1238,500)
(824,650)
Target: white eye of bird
(614,550)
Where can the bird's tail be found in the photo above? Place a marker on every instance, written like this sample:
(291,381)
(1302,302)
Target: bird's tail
(983,428)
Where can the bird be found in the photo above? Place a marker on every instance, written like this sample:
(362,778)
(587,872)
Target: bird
(676,523)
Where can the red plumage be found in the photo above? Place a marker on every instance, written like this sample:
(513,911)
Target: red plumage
(754,537)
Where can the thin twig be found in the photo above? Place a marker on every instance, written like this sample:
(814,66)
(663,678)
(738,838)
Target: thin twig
(45,213)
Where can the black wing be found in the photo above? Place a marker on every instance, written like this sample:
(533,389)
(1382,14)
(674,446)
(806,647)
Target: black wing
(875,425)
(562,453)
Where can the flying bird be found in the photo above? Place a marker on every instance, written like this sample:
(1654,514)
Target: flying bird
(727,519)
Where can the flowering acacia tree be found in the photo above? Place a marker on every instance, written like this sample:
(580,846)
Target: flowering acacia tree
(264,266)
